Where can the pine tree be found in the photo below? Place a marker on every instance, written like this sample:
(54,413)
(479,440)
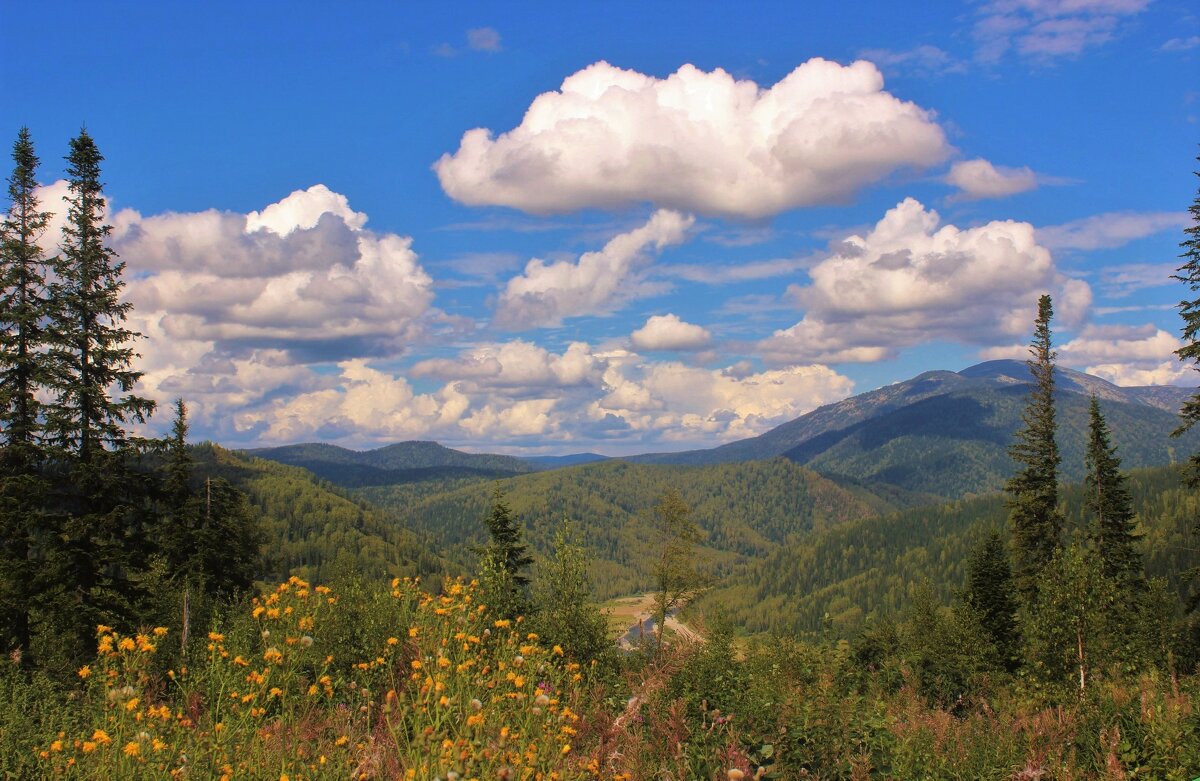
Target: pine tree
(22,374)
(1111,506)
(1189,274)
(1034,519)
(91,350)
(991,595)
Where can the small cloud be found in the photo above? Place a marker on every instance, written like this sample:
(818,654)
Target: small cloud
(1109,230)
(668,332)
(444,50)
(978,179)
(1043,30)
(924,61)
(1181,44)
(484,39)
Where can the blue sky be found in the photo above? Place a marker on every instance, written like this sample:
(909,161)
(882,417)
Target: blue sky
(616,228)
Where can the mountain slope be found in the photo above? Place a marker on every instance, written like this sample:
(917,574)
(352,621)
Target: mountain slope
(746,510)
(402,462)
(837,578)
(947,433)
(313,530)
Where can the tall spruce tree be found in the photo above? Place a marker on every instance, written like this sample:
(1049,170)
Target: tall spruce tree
(1189,274)
(505,562)
(22,375)
(1111,507)
(100,500)
(1035,522)
(92,349)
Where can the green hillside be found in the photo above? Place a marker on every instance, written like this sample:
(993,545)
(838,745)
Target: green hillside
(838,577)
(313,529)
(746,511)
(402,462)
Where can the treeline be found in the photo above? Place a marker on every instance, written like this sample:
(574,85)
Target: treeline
(99,526)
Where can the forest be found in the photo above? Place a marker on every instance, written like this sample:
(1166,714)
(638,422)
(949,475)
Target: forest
(171,609)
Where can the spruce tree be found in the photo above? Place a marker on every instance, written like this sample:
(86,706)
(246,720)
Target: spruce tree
(91,350)
(1189,274)
(22,375)
(1110,505)
(1035,522)
(100,499)
(505,562)
(991,595)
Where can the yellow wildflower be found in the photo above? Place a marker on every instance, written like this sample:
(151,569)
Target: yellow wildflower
(132,749)
(85,671)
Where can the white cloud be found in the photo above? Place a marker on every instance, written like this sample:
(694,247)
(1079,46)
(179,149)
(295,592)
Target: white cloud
(979,179)
(1109,230)
(696,141)
(1181,44)
(302,210)
(484,39)
(1127,355)
(1165,373)
(911,280)
(547,293)
(1123,280)
(924,61)
(668,332)
(519,394)
(1045,29)
(681,403)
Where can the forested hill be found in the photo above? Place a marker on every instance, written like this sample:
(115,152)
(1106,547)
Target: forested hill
(948,433)
(402,462)
(314,530)
(746,510)
(838,577)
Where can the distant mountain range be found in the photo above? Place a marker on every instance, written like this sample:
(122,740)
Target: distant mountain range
(947,433)
(941,434)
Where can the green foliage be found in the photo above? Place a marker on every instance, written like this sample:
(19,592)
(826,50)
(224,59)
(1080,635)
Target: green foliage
(564,611)
(1034,521)
(677,578)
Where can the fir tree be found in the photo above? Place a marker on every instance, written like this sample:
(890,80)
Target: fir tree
(91,349)
(1189,274)
(505,561)
(991,595)
(22,374)
(1109,503)
(1034,519)
(100,501)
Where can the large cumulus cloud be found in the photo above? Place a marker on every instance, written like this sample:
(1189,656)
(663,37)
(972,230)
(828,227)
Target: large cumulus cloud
(911,280)
(696,141)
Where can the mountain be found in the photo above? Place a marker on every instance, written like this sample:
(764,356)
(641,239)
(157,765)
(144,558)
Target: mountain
(314,530)
(947,433)
(837,578)
(399,463)
(746,510)
(555,462)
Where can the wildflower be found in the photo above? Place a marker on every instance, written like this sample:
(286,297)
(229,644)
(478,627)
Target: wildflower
(89,746)
(216,637)
(566,749)
(56,746)
(393,641)
(416,664)
(132,704)
(101,629)
(157,744)
(734,774)
(542,701)
(160,631)
(273,655)
(132,749)
(557,650)
(306,641)
(341,741)
(476,705)
(126,644)
(85,671)
(101,737)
